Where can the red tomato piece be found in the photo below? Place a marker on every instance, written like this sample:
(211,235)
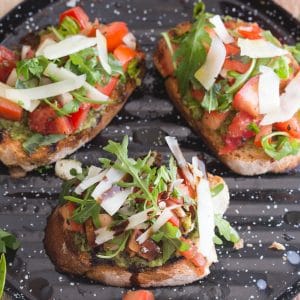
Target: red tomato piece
(174,221)
(236,65)
(246,99)
(214,119)
(139,295)
(232,49)
(108,89)
(239,126)
(250,31)
(114,33)
(263,130)
(199,260)
(124,54)
(78,118)
(231,144)
(67,212)
(291,126)
(7,62)
(44,120)
(78,14)
(10,110)
(198,95)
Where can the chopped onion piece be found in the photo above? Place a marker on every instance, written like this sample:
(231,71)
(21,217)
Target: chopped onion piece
(47,42)
(25,50)
(212,67)
(221,30)
(206,223)
(175,149)
(46,91)
(68,46)
(268,90)
(259,48)
(58,74)
(12,78)
(138,218)
(63,168)
(102,51)
(130,40)
(289,104)
(113,175)
(112,204)
(103,235)
(25,103)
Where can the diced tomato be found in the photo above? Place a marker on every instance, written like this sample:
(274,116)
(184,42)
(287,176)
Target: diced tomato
(230,24)
(214,119)
(236,65)
(250,31)
(232,49)
(78,118)
(199,260)
(246,99)
(67,212)
(231,144)
(239,126)
(124,54)
(198,95)
(78,14)
(193,255)
(174,221)
(139,295)
(291,126)
(108,89)
(114,33)
(7,62)
(10,110)
(263,130)
(187,186)
(44,120)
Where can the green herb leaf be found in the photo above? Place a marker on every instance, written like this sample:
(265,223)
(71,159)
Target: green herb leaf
(191,52)
(34,67)
(217,189)
(226,230)
(8,240)
(295,50)
(170,231)
(168,249)
(282,146)
(85,211)
(166,37)
(253,127)
(68,27)
(2,273)
(134,71)
(38,140)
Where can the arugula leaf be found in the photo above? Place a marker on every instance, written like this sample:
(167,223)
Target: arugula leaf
(210,101)
(116,67)
(2,273)
(225,230)
(38,140)
(193,105)
(85,211)
(68,27)
(191,52)
(267,34)
(8,240)
(283,146)
(295,50)
(134,71)
(170,231)
(253,127)
(240,79)
(166,37)
(34,67)
(217,189)
(281,67)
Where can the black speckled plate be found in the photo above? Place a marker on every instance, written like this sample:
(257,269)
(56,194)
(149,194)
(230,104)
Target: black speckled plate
(264,209)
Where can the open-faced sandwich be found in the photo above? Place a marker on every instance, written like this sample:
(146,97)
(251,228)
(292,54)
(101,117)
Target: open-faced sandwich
(60,91)
(139,222)
(238,87)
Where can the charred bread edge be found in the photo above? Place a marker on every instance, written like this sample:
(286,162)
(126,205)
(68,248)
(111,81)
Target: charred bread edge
(13,155)
(248,160)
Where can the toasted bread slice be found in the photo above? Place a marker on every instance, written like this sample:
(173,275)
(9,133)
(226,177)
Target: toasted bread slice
(247,160)
(19,162)
(60,247)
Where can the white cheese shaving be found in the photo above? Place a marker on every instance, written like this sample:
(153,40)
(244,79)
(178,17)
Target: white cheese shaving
(112,176)
(268,90)
(47,42)
(57,73)
(138,218)
(129,40)
(212,67)
(112,204)
(221,30)
(259,48)
(25,50)
(103,235)
(68,46)
(12,78)
(289,104)
(63,168)
(102,51)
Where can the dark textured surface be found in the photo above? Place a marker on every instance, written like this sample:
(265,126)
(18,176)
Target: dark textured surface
(264,209)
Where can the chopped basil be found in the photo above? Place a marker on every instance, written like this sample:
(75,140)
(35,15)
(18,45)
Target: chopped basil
(279,144)
(37,140)
(33,67)
(217,189)
(68,27)
(253,127)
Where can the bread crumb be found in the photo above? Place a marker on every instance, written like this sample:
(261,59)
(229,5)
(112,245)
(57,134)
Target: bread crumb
(277,246)
(239,245)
